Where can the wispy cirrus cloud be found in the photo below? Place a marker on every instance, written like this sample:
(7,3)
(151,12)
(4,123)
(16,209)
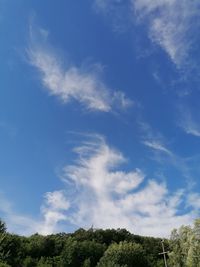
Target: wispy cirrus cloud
(105,195)
(15,222)
(171,24)
(157,145)
(109,197)
(194,201)
(53,212)
(164,155)
(86,86)
(189,123)
(118,11)
(153,140)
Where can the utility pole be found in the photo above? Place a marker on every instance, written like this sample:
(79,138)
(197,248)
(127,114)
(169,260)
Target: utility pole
(164,253)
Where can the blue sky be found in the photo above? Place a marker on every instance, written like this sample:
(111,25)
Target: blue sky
(99,115)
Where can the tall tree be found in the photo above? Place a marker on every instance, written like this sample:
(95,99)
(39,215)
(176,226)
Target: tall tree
(124,254)
(185,246)
(2,227)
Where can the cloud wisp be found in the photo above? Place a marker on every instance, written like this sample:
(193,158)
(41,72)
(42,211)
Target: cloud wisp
(16,223)
(166,156)
(171,24)
(53,211)
(153,140)
(99,192)
(107,197)
(188,123)
(86,86)
(157,145)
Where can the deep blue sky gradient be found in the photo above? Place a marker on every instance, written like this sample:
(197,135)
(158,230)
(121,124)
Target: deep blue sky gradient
(38,132)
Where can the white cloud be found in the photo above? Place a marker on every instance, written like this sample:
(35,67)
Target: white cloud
(194,200)
(118,12)
(98,192)
(56,200)
(53,211)
(171,24)
(189,124)
(103,4)
(108,5)
(106,197)
(74,82)
(157,145)
(16,223)
(153,140)
(163,154)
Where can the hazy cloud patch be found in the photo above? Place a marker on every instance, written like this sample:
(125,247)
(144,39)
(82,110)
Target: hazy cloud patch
(85,85)
(107,196)
(171,24)
(98,191)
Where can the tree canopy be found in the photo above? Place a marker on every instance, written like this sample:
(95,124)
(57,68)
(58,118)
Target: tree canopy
(100,248)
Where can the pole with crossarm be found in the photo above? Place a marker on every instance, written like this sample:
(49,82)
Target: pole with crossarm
(164,253)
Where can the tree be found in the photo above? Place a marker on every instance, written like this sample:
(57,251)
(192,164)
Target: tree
(87,263)
(185,246)
(2,227)
(111,264)
(3,254)
(3,264)
(124,254)
(193,258)
(75,252)
(29,262)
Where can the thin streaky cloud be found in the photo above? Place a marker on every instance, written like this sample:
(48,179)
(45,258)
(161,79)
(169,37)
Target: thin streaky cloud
(189,124)
(118,11)
(152,139)
(157,145)
(53,211)
(171,24)
(194,201)
(85,86)
(15,222)
(106,196)
(161,151)
(163,154)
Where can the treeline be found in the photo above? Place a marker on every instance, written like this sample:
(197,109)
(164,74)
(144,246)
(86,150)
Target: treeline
(99,248)
(112,248)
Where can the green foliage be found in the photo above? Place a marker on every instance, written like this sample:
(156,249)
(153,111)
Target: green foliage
(87,263)
(29,262)
(3,264)
(11,249)
(3,253)
(45,262)
(111,264)
(38,246)
(107,236)
(100,248)
(2,227)
(76,252)
(185,246)
(125,254)
(49,262)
